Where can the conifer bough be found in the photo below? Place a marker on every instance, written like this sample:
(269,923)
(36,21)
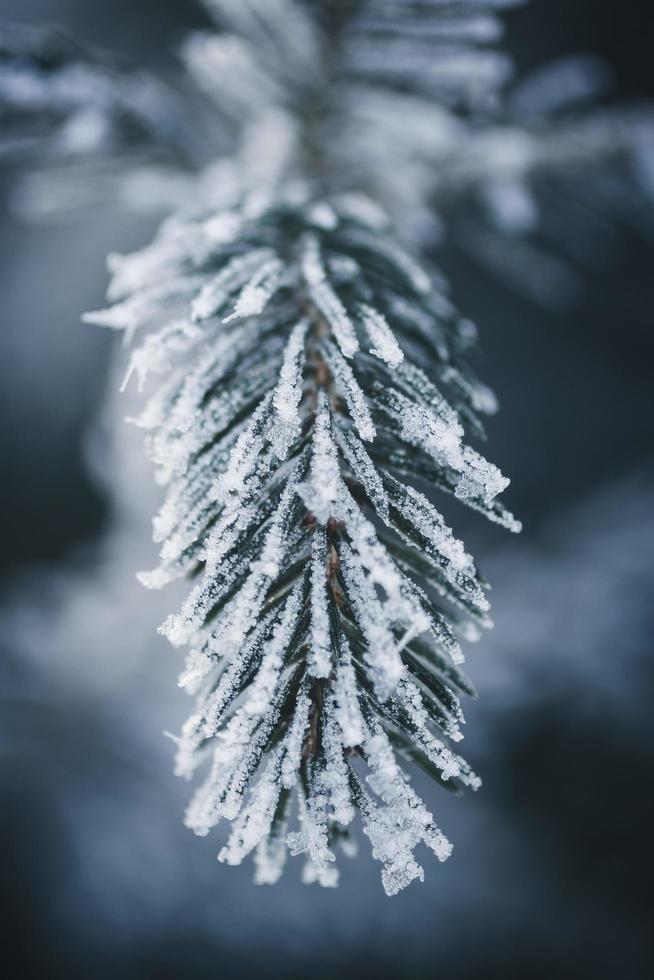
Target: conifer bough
(314,392)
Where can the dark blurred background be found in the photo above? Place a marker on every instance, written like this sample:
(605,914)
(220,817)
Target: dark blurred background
(550,876)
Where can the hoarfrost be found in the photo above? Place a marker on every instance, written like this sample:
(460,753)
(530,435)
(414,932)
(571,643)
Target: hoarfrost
(320,492)
(350,388)
(326,299)
(288,392)
(381,336)
(320,660)
(236,273)
(258,290)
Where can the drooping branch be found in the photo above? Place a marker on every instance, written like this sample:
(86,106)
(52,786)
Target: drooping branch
(330,596)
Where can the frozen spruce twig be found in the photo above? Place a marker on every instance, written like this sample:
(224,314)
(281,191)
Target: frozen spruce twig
(329,597)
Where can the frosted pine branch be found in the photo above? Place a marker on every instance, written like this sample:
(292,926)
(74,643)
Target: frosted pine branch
(330,597)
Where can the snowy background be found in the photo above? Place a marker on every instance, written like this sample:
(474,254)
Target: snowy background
(549,874)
